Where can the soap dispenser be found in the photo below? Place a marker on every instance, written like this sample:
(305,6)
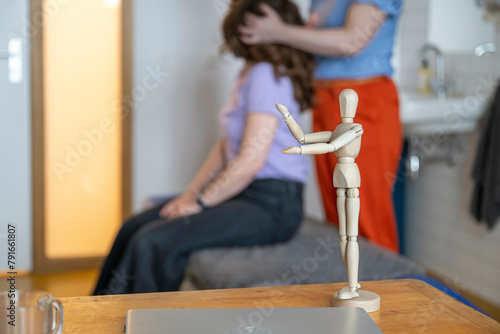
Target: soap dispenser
(424,78)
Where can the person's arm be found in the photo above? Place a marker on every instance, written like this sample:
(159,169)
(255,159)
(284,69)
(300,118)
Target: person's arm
(236,175)
(213,164)
(258,136)
(211,167)
(363,21)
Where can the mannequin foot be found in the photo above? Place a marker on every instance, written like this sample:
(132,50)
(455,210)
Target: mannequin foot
(348,293)
(345,289)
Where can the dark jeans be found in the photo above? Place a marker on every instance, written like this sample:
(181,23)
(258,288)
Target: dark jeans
(150,253)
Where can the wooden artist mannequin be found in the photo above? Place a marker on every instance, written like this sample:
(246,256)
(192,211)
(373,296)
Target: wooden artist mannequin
(345,143)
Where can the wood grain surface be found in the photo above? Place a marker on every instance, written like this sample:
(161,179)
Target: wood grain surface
(407,306)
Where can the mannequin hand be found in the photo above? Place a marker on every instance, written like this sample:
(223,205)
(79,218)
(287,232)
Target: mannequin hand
(261,29)
(292,150)
(283,110)
(183,205)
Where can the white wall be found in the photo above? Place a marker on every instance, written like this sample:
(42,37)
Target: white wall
(177,123)
(15,141)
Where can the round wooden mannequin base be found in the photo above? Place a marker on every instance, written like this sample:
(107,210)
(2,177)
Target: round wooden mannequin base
(367,300)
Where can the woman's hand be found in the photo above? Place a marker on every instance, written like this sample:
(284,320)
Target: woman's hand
(262,29)
(183,205)
(313,20)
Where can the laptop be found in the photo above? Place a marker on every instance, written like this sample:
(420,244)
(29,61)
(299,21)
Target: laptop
(293,320)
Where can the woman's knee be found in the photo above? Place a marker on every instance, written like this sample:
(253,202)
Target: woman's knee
(156,235)
(142,237)
(129,228)
(135,223)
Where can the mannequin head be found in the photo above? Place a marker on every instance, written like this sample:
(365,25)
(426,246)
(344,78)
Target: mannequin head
(348,99)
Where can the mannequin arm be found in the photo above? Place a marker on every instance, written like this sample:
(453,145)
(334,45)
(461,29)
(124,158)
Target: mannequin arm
(319,148)
(318,137)
(293,126)
(322,148)
(345,139)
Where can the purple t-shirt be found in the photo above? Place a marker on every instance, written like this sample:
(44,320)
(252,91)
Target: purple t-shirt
(257,92)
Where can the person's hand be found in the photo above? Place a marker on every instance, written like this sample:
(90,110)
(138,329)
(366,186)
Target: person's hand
(313,20)
(261,29)
(183,205)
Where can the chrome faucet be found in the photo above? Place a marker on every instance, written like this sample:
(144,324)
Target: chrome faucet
(485,48)
(439,85)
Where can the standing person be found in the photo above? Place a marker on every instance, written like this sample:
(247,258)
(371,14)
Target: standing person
(246,193)
(352,41)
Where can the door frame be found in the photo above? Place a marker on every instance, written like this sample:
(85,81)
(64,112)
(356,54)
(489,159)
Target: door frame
(42,264)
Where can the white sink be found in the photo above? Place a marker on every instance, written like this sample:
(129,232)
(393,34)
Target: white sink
(428,115)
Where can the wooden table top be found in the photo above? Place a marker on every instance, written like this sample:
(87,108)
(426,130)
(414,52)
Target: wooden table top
(407,306)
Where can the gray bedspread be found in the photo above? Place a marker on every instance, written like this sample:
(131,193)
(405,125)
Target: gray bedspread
(312,256)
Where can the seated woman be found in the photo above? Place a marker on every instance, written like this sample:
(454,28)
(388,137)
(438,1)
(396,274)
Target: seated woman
(246,193)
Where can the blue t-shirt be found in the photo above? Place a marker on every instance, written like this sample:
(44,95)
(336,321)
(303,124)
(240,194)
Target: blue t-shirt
(257,92)
(375,59)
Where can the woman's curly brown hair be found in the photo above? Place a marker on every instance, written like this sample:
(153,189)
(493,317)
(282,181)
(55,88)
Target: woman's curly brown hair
(286,61)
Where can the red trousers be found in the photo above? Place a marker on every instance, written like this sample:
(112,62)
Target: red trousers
(381,144)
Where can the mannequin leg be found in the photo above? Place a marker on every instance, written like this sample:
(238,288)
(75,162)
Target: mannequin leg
(341,199)
(352,251)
